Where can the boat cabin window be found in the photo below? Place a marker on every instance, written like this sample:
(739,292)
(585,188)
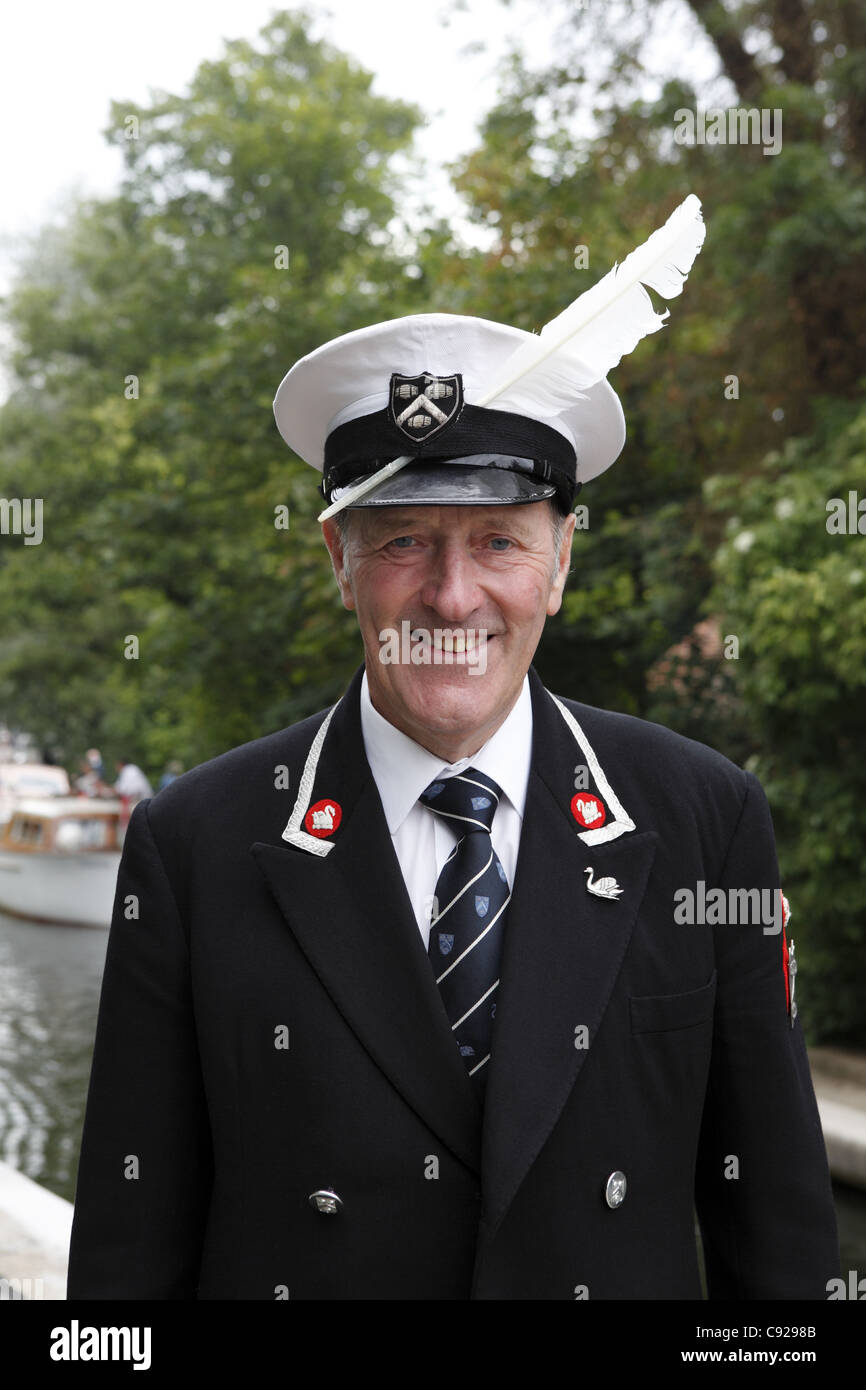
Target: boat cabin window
(26,832)
(82,833)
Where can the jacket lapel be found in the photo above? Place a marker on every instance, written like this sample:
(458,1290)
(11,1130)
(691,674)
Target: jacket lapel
(351,915)
(562,952)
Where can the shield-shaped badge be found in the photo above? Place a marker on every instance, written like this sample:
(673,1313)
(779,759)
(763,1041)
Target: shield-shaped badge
(446,942)
(481,905)
(423,405)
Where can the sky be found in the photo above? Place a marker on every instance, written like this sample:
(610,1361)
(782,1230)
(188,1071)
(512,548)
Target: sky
(61,64)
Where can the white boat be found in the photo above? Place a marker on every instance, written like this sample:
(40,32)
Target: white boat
(20,780)
(59,858)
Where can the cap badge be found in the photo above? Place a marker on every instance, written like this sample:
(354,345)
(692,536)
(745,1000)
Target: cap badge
(422,405)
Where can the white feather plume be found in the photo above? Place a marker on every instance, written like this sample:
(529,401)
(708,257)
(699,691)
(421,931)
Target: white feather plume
(582,344)
(589,338)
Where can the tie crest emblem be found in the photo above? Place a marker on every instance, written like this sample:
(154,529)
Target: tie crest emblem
(481,905)
(479,803)
(446,942)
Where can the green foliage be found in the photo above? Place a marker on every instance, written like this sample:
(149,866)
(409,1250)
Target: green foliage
(795,595)
(160,506)
(774,300)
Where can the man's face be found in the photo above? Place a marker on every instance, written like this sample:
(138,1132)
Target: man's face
(455,568)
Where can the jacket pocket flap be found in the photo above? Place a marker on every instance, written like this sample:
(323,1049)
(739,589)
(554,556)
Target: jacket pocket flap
(655,1013)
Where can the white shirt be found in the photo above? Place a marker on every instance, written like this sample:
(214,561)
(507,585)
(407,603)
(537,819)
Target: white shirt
(402,769)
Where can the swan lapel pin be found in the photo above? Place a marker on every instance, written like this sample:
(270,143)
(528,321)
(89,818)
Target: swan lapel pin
(603,887)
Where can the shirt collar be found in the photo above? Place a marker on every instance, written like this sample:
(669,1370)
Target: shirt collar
(402,768)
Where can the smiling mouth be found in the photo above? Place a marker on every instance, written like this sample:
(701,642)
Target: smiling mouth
(456,642)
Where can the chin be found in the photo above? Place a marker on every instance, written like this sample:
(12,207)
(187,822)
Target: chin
(450,698)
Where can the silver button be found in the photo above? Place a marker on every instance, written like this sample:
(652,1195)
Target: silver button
(326,1201)
(614,1189)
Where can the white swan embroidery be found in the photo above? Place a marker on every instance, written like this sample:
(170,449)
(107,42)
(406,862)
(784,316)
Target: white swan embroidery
(324,819)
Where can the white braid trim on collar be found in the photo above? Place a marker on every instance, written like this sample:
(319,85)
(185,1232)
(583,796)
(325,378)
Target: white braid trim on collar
(293,832)
(620,825)
(622,822)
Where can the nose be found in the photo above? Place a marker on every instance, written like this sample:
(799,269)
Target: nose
(451,585)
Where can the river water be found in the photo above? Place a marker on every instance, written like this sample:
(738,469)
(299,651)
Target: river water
(49,994)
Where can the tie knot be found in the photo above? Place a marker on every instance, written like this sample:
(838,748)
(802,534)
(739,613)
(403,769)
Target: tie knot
(468,800)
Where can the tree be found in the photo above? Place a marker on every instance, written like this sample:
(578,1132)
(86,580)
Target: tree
(791,583)
(770,316)
(256,219)
(757,378)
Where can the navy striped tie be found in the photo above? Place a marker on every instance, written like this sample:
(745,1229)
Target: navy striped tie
(468,919)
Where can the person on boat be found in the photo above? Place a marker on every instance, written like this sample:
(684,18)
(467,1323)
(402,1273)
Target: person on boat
(90,782)
(131,784)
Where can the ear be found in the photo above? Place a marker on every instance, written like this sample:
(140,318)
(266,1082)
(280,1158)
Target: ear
(331,534)
(554,600)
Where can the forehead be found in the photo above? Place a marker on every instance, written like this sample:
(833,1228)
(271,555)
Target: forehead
(517,518)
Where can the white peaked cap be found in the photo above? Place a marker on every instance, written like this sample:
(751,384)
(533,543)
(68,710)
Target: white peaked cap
(469,410)
(350,377)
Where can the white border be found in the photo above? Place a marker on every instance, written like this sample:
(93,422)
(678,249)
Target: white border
(622,822)
(293,832)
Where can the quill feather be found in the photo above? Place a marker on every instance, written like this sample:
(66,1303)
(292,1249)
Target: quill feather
(581,345)
(589,338)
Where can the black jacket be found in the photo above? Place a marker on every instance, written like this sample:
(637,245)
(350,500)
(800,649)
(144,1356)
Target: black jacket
(269,1027)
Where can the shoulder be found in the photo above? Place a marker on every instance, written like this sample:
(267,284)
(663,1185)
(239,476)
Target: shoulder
(667,778)
(669,754)
(237,781)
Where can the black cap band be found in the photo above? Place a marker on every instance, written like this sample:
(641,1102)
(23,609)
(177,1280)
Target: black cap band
(360,447)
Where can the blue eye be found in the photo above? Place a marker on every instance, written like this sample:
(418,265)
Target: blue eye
(399,539)
(504,539)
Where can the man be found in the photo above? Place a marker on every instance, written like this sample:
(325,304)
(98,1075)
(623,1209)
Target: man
(95,763)
(426,1025)
(89,782)
(131,782)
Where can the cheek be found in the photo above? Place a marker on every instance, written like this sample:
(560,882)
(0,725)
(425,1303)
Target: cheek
(381,590)
(524,603)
